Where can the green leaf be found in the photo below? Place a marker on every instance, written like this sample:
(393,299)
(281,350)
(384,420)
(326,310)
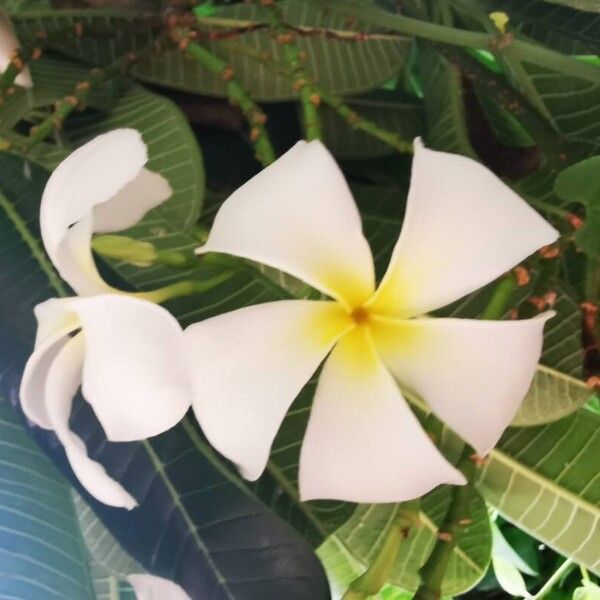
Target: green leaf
(502,549)
(588,591)
(444,108)
(342,569)
(387,109)
(109,563)
(509,578)
(363,534)
(544,479)
(581,183)
(552,396)
(339,66)
(41,549)
(585,5)
(561,28)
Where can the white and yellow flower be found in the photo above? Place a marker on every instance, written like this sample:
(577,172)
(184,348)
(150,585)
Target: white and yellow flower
(463,228)
(126,353)
(8,44)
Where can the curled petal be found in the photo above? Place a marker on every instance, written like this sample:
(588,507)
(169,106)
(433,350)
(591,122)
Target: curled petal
(107,169)
(473,374)
(247,367)
(134,374)
(463,228)
(147,191)
(151,587)
(8,45)
(64,377)
(298,215)
(55,322)
(363,443)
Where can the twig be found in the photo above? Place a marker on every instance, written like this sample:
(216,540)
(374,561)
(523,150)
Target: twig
(354,119)
(310,98)
(375,577)
(433,571)
(64,107)
(560,572)
(237,94)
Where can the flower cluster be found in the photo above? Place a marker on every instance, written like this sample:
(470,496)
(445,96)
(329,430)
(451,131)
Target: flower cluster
(241,371)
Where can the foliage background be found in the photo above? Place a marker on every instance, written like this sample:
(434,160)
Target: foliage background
(526,103)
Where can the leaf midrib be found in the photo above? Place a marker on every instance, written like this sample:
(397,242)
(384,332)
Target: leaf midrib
(33,244)
(543,482)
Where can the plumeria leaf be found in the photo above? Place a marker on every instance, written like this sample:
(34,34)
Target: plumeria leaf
(502,549)
(360,539)
(109,563)
(588,591)
(340,67)
(509,577)
(42,551)
(580,183)
(544,480)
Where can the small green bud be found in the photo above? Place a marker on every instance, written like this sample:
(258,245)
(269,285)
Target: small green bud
(119,247)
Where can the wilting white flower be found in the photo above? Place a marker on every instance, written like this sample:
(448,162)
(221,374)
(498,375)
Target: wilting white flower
(151,587)
(126,353)
(463,228)
(8,45)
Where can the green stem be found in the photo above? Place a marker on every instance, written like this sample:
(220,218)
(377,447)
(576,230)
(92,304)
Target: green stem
(237,96)
(433,571)
(182,288)
(80,96)
(519,49)
(584,574)
(15,66)
(592,280)
(556,576)
(335,102)
(375,577)
(499,301)
(548,208)
(358,122)
(307,91)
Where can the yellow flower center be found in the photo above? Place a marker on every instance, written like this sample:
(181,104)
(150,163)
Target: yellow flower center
(360,315)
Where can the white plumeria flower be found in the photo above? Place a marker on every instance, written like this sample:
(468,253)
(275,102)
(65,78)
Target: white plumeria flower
(8,44)
(463,228)
(127,354)
(151,587)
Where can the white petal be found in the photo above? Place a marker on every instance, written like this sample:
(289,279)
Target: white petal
(107,169)
(363,444)
(147,191)
(473,374)
(463,228)
(54,318)
(151,587)
(35,375)
(298,215)
(247,367)
(55,322)
(64,377)
(134,374)
(8,44)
